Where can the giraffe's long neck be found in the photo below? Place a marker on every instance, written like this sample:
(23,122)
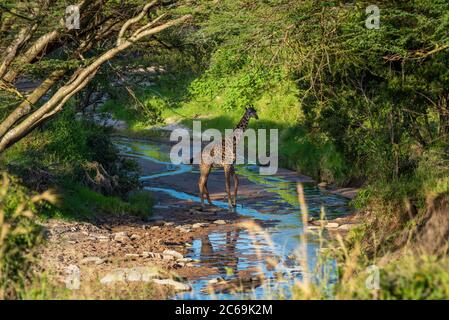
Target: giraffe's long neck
(243,124)
(240,128)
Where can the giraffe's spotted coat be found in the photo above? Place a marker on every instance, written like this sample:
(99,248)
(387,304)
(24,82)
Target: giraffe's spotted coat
(223,154)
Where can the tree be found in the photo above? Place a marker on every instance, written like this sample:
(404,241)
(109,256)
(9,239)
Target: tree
(107,29)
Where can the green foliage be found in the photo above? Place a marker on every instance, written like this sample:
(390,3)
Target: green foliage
(81,202)
(55,157)
(19,235)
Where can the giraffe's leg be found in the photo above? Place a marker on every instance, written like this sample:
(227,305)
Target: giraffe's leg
(204,174)
(207,193)
(227,171)
(236,186)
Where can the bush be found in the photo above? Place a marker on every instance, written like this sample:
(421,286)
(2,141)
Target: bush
(19,235)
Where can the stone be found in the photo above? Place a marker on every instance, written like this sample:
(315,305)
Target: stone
(215,280)
(184,230)
(92,260)
(199,225)
(134,237)
(322,184)
(317,222)
(347,227)
(144,274)
(332,225)
(220,222)
(177,286)
(185,260)
(121,236)
(173,253)
(103,238)
(152,255)
(155,228)
(168,257)
(168,224)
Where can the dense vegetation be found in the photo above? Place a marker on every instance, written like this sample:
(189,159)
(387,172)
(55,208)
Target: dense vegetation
(357,107)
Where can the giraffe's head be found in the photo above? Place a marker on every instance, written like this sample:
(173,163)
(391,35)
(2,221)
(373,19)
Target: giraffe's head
(251,112)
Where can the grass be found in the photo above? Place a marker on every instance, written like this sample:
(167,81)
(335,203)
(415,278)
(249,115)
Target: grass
(81,202)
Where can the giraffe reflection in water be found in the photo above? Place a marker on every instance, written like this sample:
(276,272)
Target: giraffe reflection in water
(224,257)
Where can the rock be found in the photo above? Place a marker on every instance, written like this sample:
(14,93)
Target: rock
(215,280)
(121,236)
(322,184)
(131,274)
(135,237)
(155,228)
(199,225)
(173,253)
(331,225)
(168,224)
(185,260)
(177,286)
(317,222)
(152,255)
(220,222)
(168,257)
(92,260)
(103,238)
(132,255)
(184,230)
(347,227)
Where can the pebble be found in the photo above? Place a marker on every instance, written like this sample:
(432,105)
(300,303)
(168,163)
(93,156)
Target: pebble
(152,255)
(173,253)
(322,184)
(168,257)
(121,236)
(346,227)
(331,225)
(215,280)
(103,238)
(135,237)
(199,225)
(178,286)
(92,260)
(220,222)
(144,274)
(168,224)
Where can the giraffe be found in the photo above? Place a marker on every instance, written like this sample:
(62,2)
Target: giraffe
(214,157)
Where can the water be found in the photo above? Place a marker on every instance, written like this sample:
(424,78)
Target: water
(240,250)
